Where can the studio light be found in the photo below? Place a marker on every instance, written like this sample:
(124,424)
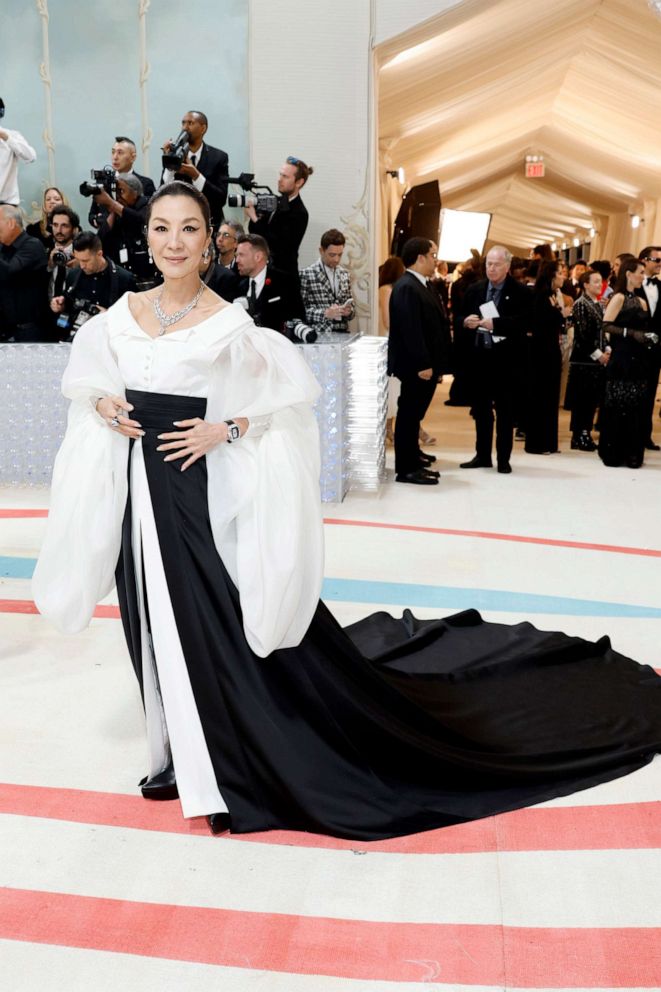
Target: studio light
(462,230)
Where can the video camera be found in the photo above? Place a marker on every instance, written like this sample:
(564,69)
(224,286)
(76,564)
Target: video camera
(175,158)
(102,179)
(264,203)
(80,311)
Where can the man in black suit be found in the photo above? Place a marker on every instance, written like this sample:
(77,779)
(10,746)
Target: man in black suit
(494,355)
(416,347)
(271,296)
(24,314)
(207,168)
(650,291)
(285,227)
(122,159)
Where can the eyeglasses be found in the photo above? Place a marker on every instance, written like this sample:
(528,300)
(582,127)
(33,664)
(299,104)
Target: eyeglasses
(650,258)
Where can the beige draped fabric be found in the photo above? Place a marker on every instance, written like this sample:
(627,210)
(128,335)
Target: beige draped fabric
(465,96)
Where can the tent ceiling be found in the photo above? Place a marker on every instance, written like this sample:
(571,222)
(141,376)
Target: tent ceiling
(467,95)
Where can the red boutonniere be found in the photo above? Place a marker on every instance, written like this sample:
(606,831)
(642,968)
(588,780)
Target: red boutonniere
(267,282)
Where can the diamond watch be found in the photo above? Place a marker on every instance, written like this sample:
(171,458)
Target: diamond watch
(233,431)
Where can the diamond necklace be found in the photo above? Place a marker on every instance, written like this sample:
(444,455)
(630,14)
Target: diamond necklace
(167,320)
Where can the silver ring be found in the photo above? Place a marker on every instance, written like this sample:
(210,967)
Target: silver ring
(114,422)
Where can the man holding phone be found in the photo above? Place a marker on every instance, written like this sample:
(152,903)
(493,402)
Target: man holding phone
(326,287)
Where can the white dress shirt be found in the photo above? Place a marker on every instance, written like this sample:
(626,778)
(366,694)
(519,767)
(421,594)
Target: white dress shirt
(652,294)
(11,150)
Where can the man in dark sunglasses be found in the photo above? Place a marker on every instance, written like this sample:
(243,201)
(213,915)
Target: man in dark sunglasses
(285,227)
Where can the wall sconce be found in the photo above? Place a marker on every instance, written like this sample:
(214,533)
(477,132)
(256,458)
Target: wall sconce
(592,232)
(577,242)
(397,174)
(554,246)
(636,221)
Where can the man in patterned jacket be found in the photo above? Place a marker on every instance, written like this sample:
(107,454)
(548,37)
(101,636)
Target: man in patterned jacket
(326,287)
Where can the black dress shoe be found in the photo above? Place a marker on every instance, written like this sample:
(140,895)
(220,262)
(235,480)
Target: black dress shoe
(430,471)
(651,446)
(477,463)
(582,442)
(419,478)
(634,462)
(427,459)
(219,823)
(504,468)
(162,786)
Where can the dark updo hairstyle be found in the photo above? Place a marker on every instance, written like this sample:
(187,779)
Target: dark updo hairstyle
(177,188)
(545,276)
(628,265)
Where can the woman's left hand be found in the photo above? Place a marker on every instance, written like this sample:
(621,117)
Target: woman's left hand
(198,437)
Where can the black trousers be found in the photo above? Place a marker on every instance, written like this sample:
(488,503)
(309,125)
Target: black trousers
(493,392)
(414,399)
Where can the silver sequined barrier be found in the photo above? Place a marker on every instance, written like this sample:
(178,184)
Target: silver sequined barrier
(351,411)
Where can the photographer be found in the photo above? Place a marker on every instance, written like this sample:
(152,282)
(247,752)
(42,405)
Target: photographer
(122,159)
(271,297)
(65,225)
(207,168)
(226,242)
(326,286)
(23,301)
(13,148)
(122,233)
(285,227)
(94,285)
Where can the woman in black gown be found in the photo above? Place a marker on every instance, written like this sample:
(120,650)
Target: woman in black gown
(385,728)
(588,362)
(545,368)
(624,416)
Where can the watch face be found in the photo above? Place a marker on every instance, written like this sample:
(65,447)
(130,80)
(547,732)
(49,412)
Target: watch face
(234,432)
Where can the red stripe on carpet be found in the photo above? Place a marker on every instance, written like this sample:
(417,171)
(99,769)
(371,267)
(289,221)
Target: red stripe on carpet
(526,957)
(18,514)
(627,826)
(490,536)
(28,606)
(450,532)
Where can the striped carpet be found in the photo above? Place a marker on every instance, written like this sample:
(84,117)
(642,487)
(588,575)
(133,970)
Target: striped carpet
(104,891)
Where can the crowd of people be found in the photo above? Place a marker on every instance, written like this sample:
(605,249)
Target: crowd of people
(55,275)
(522,337)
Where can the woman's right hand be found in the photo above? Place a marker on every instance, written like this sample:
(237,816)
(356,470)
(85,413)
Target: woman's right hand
(112,409)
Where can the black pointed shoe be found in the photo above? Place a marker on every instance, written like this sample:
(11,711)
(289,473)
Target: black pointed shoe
(504,468)
(161,787)
(477,463)
(219,823)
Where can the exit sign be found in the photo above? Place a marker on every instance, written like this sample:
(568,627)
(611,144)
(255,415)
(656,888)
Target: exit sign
(534,170)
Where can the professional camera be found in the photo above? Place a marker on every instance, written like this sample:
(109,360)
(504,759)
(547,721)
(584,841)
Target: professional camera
(175,158)
(59,258)
(80,311)
(264,203)
(298,331)
(102,179)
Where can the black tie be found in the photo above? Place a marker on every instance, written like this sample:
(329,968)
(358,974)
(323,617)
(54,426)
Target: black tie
(252,299)
(651,281)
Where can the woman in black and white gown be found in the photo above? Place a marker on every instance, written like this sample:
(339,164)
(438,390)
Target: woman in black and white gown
(262,708)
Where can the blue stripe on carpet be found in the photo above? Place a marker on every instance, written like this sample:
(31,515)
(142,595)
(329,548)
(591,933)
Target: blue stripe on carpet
(436,597)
